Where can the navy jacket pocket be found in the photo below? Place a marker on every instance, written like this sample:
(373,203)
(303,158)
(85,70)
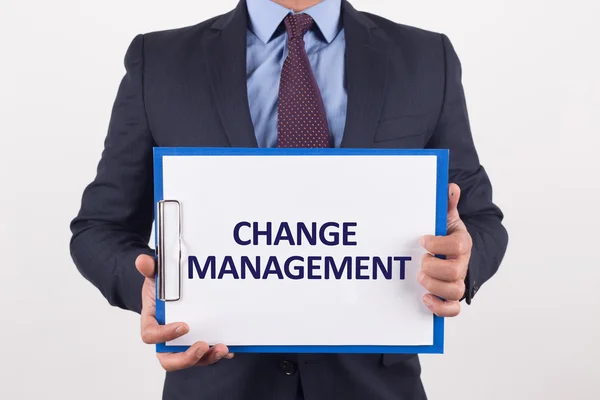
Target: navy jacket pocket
(417,126)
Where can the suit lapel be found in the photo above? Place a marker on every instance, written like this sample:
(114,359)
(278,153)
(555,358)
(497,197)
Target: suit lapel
(366,74)
(225,56)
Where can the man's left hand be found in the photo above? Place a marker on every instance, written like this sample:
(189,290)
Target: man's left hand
(445,279)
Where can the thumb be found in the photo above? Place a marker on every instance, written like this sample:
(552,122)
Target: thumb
(146,265)
(453,198)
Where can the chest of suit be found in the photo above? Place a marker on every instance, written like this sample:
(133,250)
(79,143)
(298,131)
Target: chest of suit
(199,99)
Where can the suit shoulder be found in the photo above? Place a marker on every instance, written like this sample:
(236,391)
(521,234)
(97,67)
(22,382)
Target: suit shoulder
(405,34)
(177,36)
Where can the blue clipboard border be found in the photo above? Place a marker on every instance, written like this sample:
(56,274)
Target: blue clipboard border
(440,229)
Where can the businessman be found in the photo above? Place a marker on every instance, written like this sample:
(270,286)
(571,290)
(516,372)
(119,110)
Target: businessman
(295,73)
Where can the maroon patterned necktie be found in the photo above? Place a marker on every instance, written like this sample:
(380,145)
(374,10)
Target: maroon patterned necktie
(301,120)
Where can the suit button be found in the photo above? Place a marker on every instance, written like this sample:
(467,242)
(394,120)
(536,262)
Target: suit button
(287,367)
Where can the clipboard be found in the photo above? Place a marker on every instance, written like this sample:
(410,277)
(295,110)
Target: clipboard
(188,183)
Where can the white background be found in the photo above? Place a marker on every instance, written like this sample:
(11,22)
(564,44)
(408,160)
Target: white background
(531,78)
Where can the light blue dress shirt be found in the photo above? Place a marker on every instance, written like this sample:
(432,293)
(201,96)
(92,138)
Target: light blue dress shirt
(267,50)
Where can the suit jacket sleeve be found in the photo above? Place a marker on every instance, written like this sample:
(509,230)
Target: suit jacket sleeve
(481,216)
(114,223)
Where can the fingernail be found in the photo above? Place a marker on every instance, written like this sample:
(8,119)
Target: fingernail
(422,241)
(427,301)
(199,353)
(229,356)
(420,276)
(219,356)
(180,329)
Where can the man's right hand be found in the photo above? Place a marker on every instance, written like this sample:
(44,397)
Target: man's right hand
(199,354)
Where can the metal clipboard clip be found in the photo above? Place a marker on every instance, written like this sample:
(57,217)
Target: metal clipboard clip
(169,265)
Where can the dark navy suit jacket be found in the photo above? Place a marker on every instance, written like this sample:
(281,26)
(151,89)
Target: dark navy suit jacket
(187,87)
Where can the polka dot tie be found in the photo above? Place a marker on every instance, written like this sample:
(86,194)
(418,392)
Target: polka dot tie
(301,120)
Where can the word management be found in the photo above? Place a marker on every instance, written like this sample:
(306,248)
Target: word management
(297,238)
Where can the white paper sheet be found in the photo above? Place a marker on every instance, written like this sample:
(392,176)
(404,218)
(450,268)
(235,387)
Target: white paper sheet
(391,198)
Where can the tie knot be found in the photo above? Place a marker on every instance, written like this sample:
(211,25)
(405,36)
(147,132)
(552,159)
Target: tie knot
(297,25)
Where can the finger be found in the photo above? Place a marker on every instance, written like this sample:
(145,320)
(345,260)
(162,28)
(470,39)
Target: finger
(453,198)
(149,297)
(189,358)
(445,290)
(453,245)
(213,355)
(153,333)
(449,270)
(146,265)
(440,307)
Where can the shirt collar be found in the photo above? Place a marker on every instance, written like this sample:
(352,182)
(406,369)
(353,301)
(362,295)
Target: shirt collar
(266,16)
